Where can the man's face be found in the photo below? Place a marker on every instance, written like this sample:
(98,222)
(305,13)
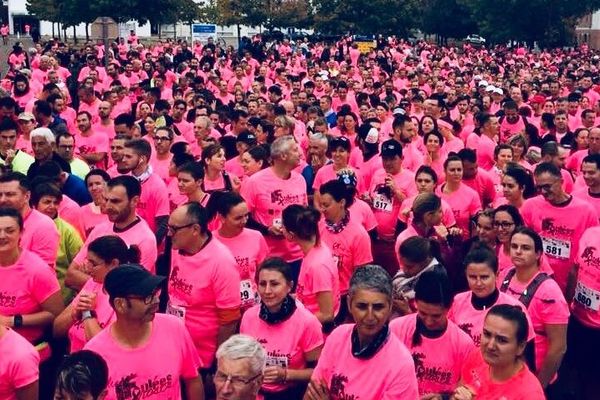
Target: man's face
(511,115)
(392,165)
(83,123)
(324,104)
(118,206)
(252,107)
(293,155)
(12,195)
(589,120)
(130,160)
(239,371)
(515,95)
(594,141)
(122,129)
(469,170)
(240,125)
(431,108)
(66,147)
(163,142)
(463,106)
(178,111)
(560,121)
(42,150)
(180,230)
(316,148)
(549,186)
(591,174)
(104,110)
(8,140)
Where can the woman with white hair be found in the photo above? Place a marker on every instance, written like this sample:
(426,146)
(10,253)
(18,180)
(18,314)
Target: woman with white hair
(240,365)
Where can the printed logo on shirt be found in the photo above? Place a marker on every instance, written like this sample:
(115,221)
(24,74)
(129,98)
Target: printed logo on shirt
(7,300)
(588,256)
(179,283)
(338,388)
(244,265)
(128,389)
(277,197)
(428,373)
(556,230)
(467,329)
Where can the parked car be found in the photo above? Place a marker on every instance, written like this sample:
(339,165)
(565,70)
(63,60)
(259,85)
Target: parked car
(475,39)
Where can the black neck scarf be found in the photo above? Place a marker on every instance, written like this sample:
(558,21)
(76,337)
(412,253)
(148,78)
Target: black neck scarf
(372,348)
(272,318)
(483,303)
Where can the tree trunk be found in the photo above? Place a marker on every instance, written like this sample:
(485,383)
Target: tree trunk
(58,30)
(74,35)
(239,36)
(159,30)
(87,31)
(53,33)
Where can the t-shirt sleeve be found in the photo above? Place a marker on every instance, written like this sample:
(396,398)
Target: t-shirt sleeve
(161,198)
(553,306)
(313,335)
(263,249)
(227,285)
(362,249)
(25,370)
(247,192)
(45,284)
(322,281)
(46,243)
(149,253)
(191,359)
(475,205)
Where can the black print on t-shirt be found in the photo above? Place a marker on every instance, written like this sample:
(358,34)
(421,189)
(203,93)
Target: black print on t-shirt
(179,283)
(432,374)
(338,388)
(588,256)
(7,300)
(558,230)
(277,197)
(128,389)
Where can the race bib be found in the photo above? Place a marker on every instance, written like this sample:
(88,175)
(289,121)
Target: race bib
(178,311)
(279,361)
(586,297)
(557,248)
(247,293)
(382,203)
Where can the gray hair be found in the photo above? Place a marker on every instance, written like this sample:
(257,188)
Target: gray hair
(373,278)
(205,121)
(281,145)
(319,137)
(239,347)
(45,133)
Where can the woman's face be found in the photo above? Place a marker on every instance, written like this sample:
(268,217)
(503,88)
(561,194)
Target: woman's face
(370,310)
(186,183)
(511,189)
(504,156)
(518,150)
(427,125)
(144,110)
(504,225)
(250,165)
(433,316)
(217,161)
(433,144)
(582,139)
(96,186)
(329,207)
(454,171)
(548,107)
(349,123)
(97,267)
(481,279)
(10,234)
(499,345)
(485,230)
(425,183)
(48,205)
(273,288)
(522,251)
(340,157)
(149,125)
(237,217)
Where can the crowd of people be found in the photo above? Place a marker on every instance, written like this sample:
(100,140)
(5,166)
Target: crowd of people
(298,220)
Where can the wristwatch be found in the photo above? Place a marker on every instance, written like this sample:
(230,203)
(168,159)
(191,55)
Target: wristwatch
(18,321)
(87,315)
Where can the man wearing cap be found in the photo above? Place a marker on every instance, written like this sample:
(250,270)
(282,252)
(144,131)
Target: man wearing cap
(149,355)
(10,157)
(243,142)
(389,187)
(204,283)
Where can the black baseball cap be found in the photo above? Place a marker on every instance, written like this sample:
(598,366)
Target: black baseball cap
(246,137)
(131,280)
(339,141)
(391,148)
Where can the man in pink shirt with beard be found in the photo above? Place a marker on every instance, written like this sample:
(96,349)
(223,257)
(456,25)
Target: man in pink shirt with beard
(40,235)
(477,178)
(148,355)
(269,191)
(92,146)
(559,218)
(485,142)
(204,283)
(590,171)
(122,195)
(89,102)
(153,205)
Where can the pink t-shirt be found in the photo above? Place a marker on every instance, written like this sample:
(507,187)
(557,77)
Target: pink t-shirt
(138,234)
(471,320)
(24,286)
(327,173)
(388,375)
(249,249)
(318,273)
(154,201)
(199,286)
(438,361)
(153,370)
(19,364)
(592,199)
(40,236)
(267,195)
(361,212)
(70,211)
(485,149)
(287,342)
(586,303)
(95,143)
(465,204)
(548,307)
(234,167)
(105,131)
(91,217)
(559,227)
(351,248)
(484,185)
(104,312)
(367,168)
(476,376)
(386,209)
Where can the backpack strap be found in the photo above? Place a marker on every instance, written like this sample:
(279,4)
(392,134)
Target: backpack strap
(535,284)
(507,279)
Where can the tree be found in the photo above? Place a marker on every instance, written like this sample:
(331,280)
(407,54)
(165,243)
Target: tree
(447,19)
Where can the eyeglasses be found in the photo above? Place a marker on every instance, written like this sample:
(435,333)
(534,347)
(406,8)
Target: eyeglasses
(162,138)
(148,299)
(175,229)
(236,381)
(503,224)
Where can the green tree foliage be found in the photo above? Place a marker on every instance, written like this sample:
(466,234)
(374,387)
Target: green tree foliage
(447,19)
(269,13)
(366,17)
